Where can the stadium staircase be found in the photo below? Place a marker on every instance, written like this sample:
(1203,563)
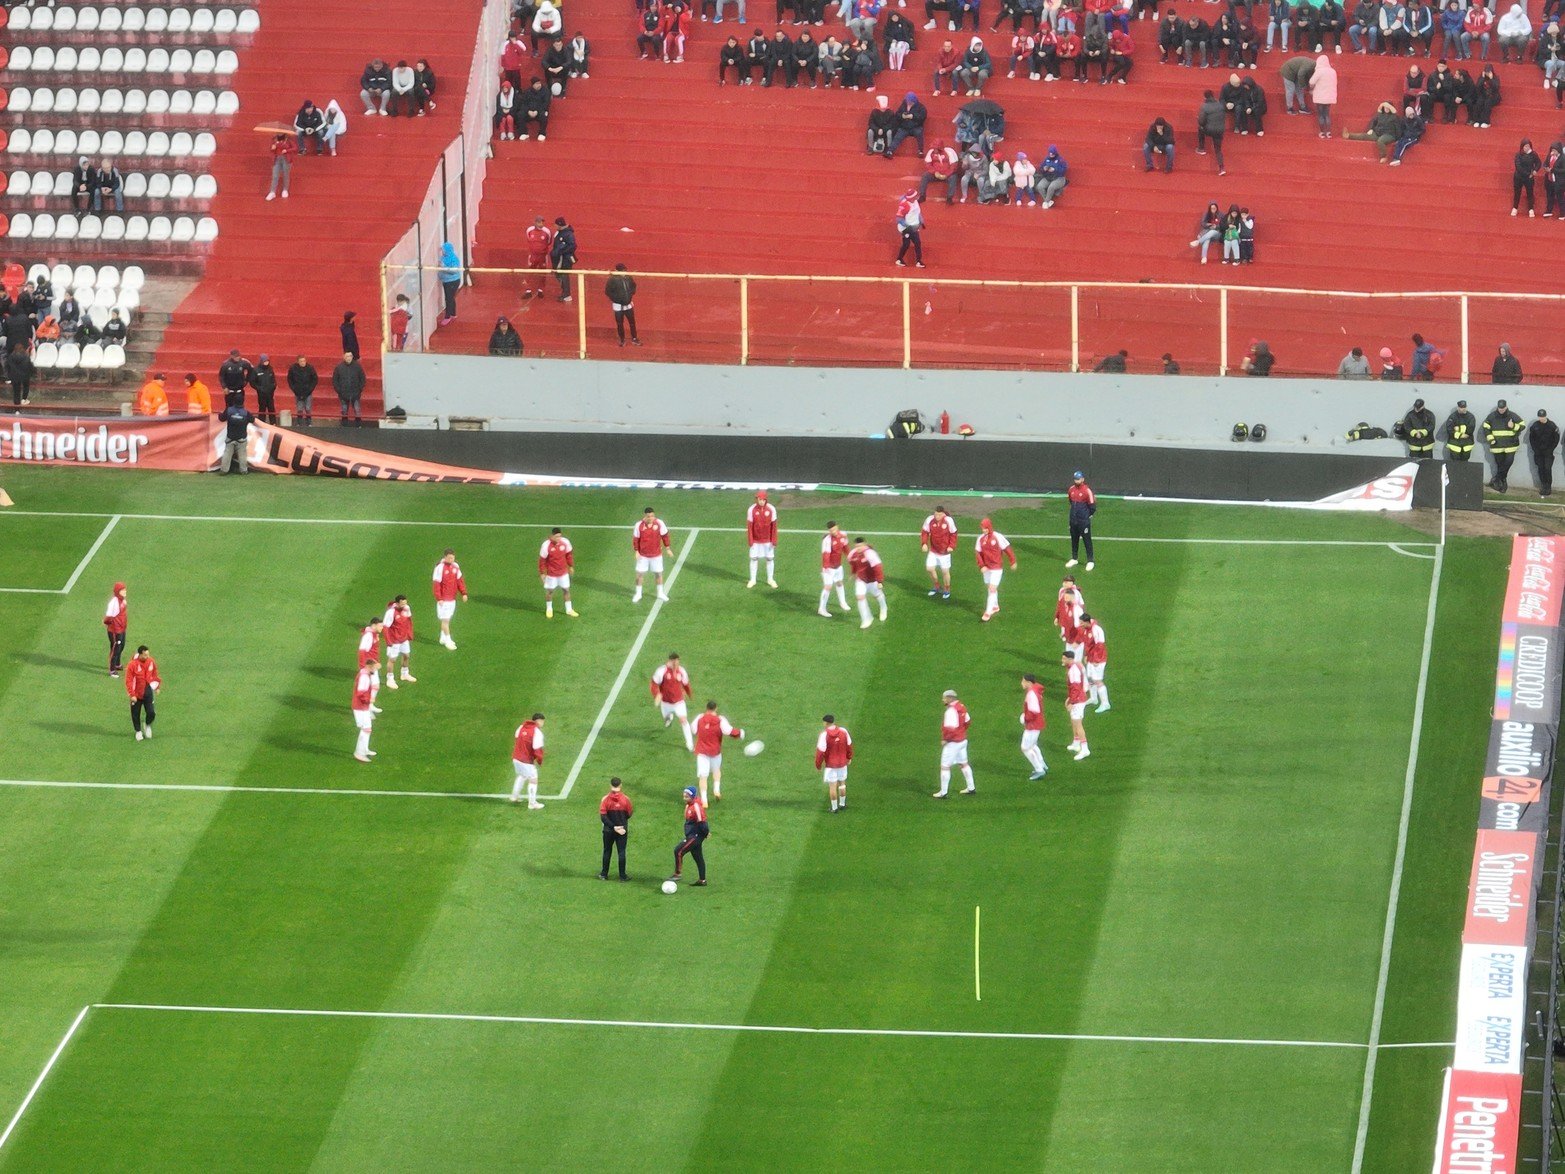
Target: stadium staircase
(659,168)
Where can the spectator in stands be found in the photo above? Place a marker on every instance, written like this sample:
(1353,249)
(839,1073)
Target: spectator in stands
(940,166)
(84,185)
(1333,23)
(910,226)
(1196,39)
(959,10)
(861,65)
(19,371)
(1024,173)
(1112,364)
(233,377)
(1296,73)
(1426,359)
(674,25)
(620,289)
(861,24)
(347,380)
(1444,91)
(348,329)
(1415,89)
(732,56)
(310,127)
(1551,58)
(879,127)
(151,400)
(1052,177)
(302,381)
(424,87)
(739,11)
(1478,26)
(548,24)
(1211,121)
(578,56)
(562,256)
(911,116)
(503,339)
(19,328)
(513,54)
(398,324)
(198,399)
(946,63)
(1023,48)
(450,279)
(48,329)
(830,57)
(336,125)
(1451,30)
(1210,229)
(1259,361)
(1254,108)
(1354,365)
(1513,31)
(556,67)
(1159,141)
(114,330)
(779,60)
(1525,169)
(1486,96)
(1094,51)
(1506,368)
(111,188)
(1421,26)
(1394,37)
(1554,180)
(1384,129)
(283,152)
(534,104)
(807,58)
(899,40)
(1170,367)
(1364,28)
(757,52)
(505,111)
(1413,126)
(1390,366)
(974,167)
(375,87)
(994,186)
(1323,89)
(1121,61)
(976,68)
(264,380)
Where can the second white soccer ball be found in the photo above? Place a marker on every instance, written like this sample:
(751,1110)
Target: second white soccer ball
(670,887)
(753,748)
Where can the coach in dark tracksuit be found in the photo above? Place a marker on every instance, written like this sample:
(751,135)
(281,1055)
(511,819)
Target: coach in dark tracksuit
(234,376)
(696,832)
(1543,437)
(1083,505)
(264,380)
(615,812)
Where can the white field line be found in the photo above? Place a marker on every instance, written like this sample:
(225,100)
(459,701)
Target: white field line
(222,789)
(756,1028)
(1378,1015)
(624,669)
(114,520)
(1401,548)
(712,529)
(42,1076)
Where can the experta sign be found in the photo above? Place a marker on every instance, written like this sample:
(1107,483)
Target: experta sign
(179,443)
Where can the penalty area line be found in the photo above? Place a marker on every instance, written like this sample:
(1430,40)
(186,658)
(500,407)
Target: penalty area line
(228,789)
(48,1067)
(70,584)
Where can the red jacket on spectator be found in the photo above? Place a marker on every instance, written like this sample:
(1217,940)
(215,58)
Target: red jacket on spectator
(1069,47)
(673,23)
(947,60)
(1120,43)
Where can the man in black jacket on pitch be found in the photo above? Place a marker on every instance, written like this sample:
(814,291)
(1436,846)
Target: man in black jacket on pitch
(614,813)
(233,377)
(1543,437)
(264,380)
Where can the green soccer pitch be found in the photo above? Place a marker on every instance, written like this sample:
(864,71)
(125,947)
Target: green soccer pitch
(234,947)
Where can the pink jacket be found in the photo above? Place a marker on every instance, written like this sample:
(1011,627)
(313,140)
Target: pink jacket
(1323,82)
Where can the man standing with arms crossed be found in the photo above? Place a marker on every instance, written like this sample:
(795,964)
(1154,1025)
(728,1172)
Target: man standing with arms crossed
(142,684)
(761,528)
(614,813)
(556,560)
(649,539)
(938,540)
(953,745)
(447,583)
(527,757)
(833,752)
(116,618)
(1083,504)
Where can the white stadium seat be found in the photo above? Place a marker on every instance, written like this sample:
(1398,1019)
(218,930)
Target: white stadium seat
(182,187)
(204,103)
(21,226)
(61,181)
(43,226)
(96,314)
(43,140)
(64,19)
(157,101)
(158,185)
(204,62)
(21,100)
(113,142)
(88,142)
(22,56)
(47,354)
(136,228)
(21,20)
(43,20)
(127,301)
(88,101)
(83,279)
(227,61)
(21,141)
(38,270)
(91,228)
(202,21)
(68,357)
(157,60)
(136,142)
(64,141)
(135,101)
(112,102)
(179,21)
(181,102)
(65,227)
(60,278)
(113,60)
(92,357)
(113,357)
(157,20)
(134,20)
(19,184)
(205,144)
(109,22)
(249,20)
(113,228)
(227,103)
(181,144)
(133,277)
(160,229)
(180,61)
(42,100)
(157,143)
(135,185)
(135,57)
(206,229)
(43,59)
(108,277)
(89,60)
(227,21)
(65,101)
(64,59)
(87,20)
(206,187)
(184,229)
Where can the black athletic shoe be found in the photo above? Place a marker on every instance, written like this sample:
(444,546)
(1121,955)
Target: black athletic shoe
(698,884)
(605,876)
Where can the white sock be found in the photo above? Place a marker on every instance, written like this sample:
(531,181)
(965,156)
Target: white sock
(834,805)
(994,599)
(842,596)
(752,570)
(945,779)
(364,743)
(516,789)
(864,610)
(967,774)
(532,792)
(1034,756)
(690,742)
(771,565)
(842,794)
(1103,694)
(825,598)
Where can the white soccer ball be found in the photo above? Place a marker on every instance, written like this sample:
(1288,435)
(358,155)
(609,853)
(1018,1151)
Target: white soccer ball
(670,887)
(754,748)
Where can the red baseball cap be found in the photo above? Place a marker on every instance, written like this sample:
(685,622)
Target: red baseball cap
(119,586)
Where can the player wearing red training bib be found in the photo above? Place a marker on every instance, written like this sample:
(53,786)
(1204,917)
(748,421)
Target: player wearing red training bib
(710,730)
(447,583)
(398,623)
(649,539)
(869,579)
(527,757)
(670,688)
(833,752)
(991,551)
(369,643)
(938,540)
(761,527)
(365,686)
(1032,725)
(953,744)
(1076,702)
(556,559)
(1097,656)
(834,548)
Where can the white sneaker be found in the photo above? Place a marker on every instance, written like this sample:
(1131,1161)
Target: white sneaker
(636,596)
(668,720)
(148,733)
(273,196)
(663,596)
(391,683)
(361,757)
(929,25)
(751,583)
(1070,562)
(1091,565)
(451,645)
(969,790)
(572,612)
(772,583)
(285,193)
(535,807)
(1104,708)
(866,624)
(376,709)
(1073,746)
(1083,753)
(138,735)
(940,794)
(882,615)
(823,612)
(845,608)
(409,677)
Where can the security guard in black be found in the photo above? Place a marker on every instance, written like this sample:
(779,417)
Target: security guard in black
(1543,437)
(1419,424)
(1459,433)
(1502,431)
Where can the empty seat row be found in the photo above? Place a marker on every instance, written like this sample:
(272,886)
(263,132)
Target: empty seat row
(157,143)
(68,226)
(116,101)
(90,59)
(67,356)
(159,185)
(85,277)
(178,21)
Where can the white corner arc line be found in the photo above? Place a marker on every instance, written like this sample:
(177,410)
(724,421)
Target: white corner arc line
(227,789)
(1402,549)
(624,669)
(1377,1017)
(756,1028)
(91,550)
(44,1075)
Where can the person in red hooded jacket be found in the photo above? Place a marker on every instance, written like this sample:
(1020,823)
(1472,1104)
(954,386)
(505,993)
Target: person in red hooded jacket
(946,62)
(1120,62)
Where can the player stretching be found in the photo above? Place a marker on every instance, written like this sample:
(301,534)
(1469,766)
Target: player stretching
(834,546)
(1068,605)
(938,540)
(953,744)
(992,550)
(142,684)
(1032,725)
(448,584)
(527,757)
(1076,702)
(869,579)
(369,643)
(398,622)
(649,539)
(696,832)
(833,752)
(711,728)
(365,686)
(556,559)
(670,688)
(761,525)
(1097,661)
(116,618)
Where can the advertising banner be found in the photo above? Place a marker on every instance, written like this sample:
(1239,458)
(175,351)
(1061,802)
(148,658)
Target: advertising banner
(1393,492)
(180,443)
(1491,1009)
(1480,1121)
(1499,896)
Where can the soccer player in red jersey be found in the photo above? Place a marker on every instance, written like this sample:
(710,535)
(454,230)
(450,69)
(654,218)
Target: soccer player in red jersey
(991,551)
(527,757)
(834,548)
(369,643)
(1068,606)
(937,538)
(1076,702)
(365,686)
(1097,662)
(953,744)
(833,752)
(869,579)
(649,539)
(142,684)
(556,560)
(696,831)
(1032,725)
(448,584)
(539,240)
(761,528)
(670,690)
(398,624)
(116,618)
(710,730)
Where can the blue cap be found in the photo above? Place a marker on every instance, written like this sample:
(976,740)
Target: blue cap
(1078,475)
(690,792)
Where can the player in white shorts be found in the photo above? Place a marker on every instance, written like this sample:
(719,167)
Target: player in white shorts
(834,548)
(761,528)
(649,539)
